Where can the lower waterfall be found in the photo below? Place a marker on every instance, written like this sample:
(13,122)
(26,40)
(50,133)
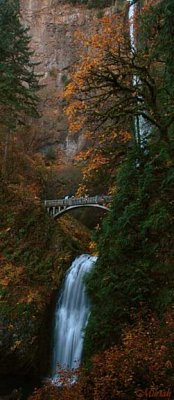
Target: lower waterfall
(71,316)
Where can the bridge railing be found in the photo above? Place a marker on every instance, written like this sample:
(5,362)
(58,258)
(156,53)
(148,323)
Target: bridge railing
(72,201)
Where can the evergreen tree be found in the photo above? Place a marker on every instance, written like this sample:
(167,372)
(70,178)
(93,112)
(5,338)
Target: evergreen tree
(18,80)
(134,272)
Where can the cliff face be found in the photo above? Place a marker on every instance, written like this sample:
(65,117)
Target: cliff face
(52,27)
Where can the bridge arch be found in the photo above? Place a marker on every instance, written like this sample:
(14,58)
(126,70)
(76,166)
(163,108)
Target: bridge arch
(70,208)
(58,207)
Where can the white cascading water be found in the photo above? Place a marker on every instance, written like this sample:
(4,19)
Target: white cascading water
(141,125)
(71,315)
(131,24)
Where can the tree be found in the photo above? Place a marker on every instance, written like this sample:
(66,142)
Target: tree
(104,98)
(18,80)
(90,104)
(134,271)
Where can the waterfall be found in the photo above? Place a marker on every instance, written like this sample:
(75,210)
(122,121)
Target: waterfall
(71,316)
(141,125)
(131,24)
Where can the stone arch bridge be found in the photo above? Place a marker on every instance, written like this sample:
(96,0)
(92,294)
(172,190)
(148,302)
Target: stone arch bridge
(58,207)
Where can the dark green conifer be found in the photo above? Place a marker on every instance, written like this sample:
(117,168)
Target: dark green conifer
(18,80)
(134,273)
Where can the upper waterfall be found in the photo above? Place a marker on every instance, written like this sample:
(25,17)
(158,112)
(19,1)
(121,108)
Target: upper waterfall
(131,24)
(140,124)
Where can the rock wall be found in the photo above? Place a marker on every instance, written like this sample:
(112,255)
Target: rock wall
(52,26)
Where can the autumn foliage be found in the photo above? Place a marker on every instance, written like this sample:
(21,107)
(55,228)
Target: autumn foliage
(144,360)
(90,96)
(113,85)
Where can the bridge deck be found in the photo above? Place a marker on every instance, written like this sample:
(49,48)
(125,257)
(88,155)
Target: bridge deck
(61,206)
(72,201)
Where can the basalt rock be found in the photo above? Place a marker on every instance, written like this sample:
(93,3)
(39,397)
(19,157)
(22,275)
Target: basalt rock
(52,27)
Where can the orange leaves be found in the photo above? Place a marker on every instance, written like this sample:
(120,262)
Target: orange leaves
(123,136)
(95,163)
(123,370)
(69,91)
(93,248)
(126,136)
(75,124)
(106,34)
(15,279)
(93,104)
(84,155)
